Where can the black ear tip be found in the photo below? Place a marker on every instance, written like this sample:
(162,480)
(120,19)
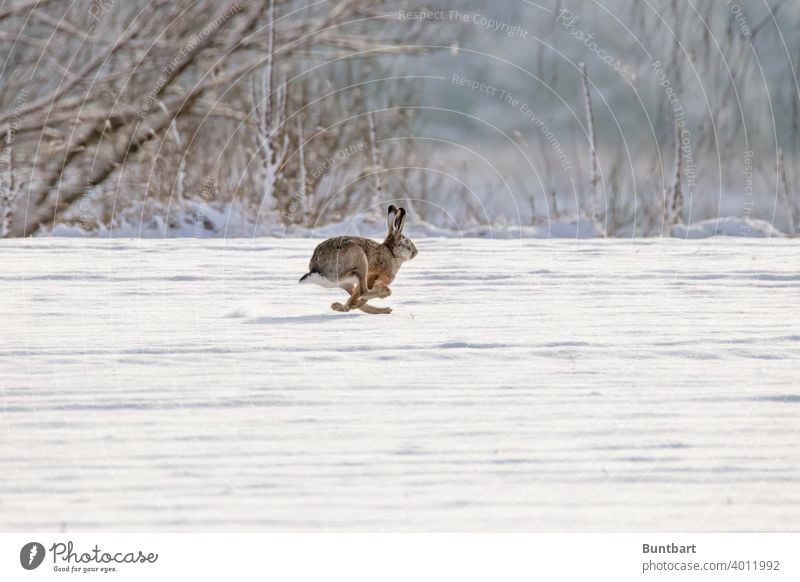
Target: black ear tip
(392,209)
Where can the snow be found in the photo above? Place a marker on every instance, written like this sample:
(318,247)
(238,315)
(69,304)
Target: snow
(198,221)
(539,385)
(569,228)
(727,226)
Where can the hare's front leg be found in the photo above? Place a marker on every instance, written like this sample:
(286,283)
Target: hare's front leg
(377,292)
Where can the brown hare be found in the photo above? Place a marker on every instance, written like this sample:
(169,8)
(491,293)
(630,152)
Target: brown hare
(362,267)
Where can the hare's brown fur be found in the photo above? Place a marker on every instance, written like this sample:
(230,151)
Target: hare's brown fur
(361,266)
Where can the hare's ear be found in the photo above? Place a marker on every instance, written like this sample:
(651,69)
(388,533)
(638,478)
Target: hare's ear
(400,221)
(391,217)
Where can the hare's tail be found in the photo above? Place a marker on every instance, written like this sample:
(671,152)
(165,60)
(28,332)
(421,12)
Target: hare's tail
(305,277)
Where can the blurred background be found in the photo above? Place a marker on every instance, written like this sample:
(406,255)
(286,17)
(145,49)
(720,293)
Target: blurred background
(268,117)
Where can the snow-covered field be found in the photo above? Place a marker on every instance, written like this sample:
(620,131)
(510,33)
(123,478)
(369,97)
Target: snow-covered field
(519,385)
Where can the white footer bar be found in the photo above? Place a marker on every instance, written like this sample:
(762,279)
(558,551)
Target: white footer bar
(400,557)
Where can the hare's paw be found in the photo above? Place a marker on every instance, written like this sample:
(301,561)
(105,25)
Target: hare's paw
(336,306)
(367,308)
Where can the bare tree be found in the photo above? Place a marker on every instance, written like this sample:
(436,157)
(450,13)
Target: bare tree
(8,192)
(272,135)
(783,191)
(376,165)
(594,176)
(674,204)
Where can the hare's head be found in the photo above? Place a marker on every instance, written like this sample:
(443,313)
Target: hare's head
(401,247)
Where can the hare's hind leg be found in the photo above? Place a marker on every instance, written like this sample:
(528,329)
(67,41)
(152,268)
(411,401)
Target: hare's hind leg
(361,301)
(360,292)
(367,308)
(351,303)
(360,288)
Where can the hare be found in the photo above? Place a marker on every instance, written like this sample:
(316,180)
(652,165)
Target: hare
(361,266)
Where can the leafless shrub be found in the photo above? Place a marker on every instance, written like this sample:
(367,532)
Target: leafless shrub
(135,107)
